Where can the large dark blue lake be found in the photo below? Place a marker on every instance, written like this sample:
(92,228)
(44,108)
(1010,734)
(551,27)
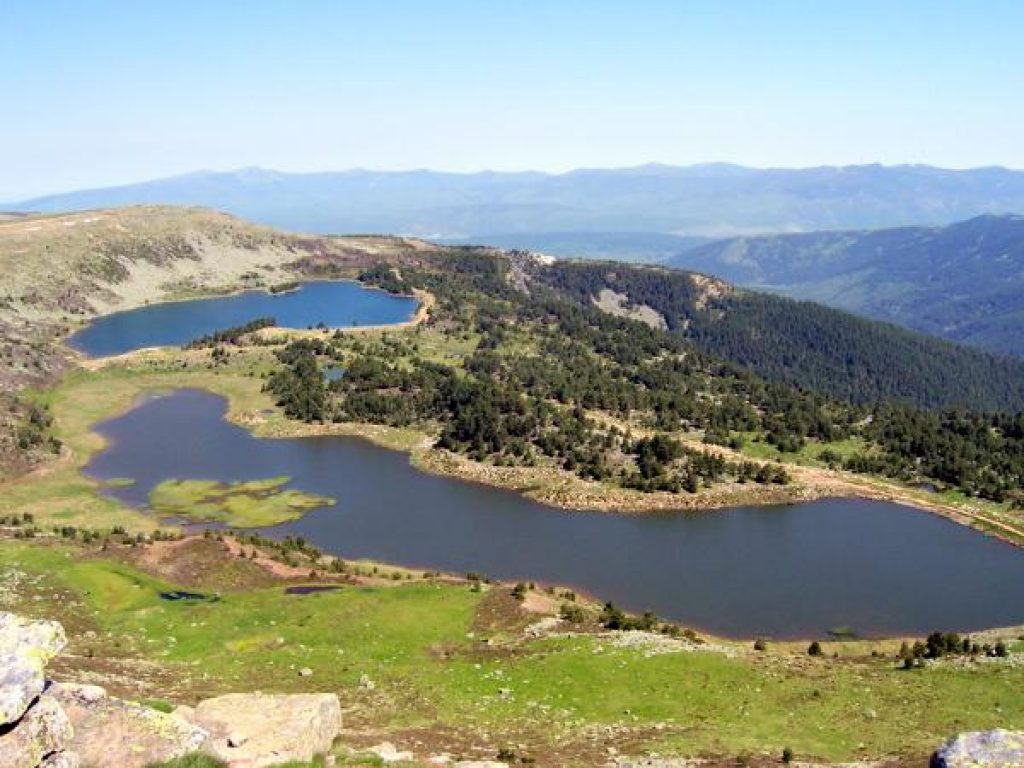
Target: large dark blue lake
(787,571)
(338,304)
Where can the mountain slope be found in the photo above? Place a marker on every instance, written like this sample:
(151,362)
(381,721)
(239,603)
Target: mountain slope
(964,282)
(58,271)
(801,343)
(706,200)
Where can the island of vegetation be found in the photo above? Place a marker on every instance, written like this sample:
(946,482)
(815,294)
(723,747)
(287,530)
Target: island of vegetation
(251,504)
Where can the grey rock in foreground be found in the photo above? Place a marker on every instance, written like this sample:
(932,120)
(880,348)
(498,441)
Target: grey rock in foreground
(42,733)
(25,648)
(34,729)
(255,730)
(109,731)
(981,749)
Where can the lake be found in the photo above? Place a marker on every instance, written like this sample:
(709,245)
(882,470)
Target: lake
(335,303)
(786,571)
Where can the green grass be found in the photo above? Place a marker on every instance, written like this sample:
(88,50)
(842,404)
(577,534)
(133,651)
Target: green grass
(252,504)
(809,455)
(195,760)
(199,760)
(61,494)
(160,705)
(412,639)
(707,702)
(444,348)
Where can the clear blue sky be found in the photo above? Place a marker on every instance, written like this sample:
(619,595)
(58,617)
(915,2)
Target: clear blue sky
(97,93)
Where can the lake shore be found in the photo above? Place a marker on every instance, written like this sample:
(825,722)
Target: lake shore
(254,410)
(567,491)
(475,664)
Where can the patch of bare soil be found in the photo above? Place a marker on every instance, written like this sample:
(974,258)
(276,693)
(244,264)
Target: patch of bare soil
(259,559)
(708,290)
(617,305)
(500,612)
(200,563)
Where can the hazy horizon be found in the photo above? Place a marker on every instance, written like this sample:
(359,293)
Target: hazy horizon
(486,171)
(113,93)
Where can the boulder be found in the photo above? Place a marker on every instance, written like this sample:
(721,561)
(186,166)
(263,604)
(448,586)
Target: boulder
(42,732)
(981,749)
(61,760)
(25,648)
(389,753)
(255,730)
(109,731)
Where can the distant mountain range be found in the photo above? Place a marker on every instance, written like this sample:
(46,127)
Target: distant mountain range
(641,247)
(716,200)
(964,282)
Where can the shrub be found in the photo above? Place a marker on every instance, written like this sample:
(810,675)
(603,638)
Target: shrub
(573,614)
(194,760)
(612,617)
(159,705)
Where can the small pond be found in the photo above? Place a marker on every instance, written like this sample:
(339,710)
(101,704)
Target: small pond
(795,570)
(335,303)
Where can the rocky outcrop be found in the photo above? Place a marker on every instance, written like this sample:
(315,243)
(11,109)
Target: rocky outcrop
(39,736)
(34,729)
(60,725)
(254,730)
(110,731)
(63,725)
(981,749)
(25,648)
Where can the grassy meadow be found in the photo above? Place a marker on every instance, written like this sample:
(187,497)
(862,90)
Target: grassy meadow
(434,656)
(436,661)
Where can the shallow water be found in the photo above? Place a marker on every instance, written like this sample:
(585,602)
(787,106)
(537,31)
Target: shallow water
(311,589)
(785,571)
(337,304)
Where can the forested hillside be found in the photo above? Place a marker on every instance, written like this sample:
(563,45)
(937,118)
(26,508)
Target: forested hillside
(964,282)
(805,344)
(545,378)
(536,374)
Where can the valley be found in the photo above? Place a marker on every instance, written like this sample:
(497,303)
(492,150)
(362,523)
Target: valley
(471,619)
(961,281)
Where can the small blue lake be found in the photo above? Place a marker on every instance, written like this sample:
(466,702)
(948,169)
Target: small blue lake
(337,304)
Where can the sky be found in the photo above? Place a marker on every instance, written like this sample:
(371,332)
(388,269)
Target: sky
(98,92)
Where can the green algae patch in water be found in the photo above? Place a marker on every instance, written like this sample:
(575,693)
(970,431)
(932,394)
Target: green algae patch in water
(251,504)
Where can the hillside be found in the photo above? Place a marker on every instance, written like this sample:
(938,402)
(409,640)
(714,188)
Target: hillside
(802,343)
(963,282)
(517,375)
(529,332)
(57,271)
(715,200)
